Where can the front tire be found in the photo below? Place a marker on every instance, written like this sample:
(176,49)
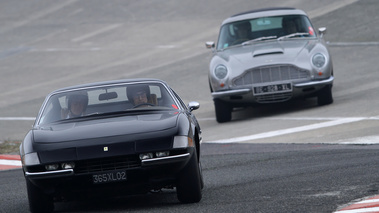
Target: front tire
(325,96)
(189,183)
(223,111)
(38,201)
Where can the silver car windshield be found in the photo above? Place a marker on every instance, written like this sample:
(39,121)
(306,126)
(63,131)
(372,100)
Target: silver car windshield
(98,101)
(265,28)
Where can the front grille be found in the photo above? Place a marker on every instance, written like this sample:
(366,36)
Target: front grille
(273,98)
(269,74)
(107,164)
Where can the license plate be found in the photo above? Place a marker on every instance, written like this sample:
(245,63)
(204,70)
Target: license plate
(275,88)
(107,177)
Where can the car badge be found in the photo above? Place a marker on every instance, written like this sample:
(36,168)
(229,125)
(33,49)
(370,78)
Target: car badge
(105,149)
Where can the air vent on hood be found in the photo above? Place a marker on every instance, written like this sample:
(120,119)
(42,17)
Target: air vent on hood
(267,53)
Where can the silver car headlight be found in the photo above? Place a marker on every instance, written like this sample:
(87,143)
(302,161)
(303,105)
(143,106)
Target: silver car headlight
(318,60)
(221,71)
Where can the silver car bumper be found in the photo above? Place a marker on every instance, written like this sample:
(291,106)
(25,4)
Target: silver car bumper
(230,93)
(244,91)
(315,83)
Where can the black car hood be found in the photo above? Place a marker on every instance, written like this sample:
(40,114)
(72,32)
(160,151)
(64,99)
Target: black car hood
(103,127)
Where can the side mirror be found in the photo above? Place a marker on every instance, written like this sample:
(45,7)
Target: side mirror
(193,105)
(210,44)
(322,31)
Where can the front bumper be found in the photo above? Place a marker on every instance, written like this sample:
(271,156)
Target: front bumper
(297,86)
(151,174)
(179,160)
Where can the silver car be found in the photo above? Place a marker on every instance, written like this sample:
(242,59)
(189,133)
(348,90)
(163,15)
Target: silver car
(268,56)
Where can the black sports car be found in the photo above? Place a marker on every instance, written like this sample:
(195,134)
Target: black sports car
(116,137)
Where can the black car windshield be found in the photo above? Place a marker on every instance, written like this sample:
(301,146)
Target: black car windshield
(87,102)
(264,28)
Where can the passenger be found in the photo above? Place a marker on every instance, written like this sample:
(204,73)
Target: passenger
(76,105)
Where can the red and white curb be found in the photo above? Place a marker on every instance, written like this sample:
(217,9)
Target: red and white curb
(10,162)
(365,206)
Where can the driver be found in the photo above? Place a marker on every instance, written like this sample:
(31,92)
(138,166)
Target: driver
(138,94)
(289,26)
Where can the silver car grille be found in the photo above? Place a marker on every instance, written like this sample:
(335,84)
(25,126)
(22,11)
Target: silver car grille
(269,74)
(273,98)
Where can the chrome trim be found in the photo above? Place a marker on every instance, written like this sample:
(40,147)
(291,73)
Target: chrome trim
(66,172)
(314,83)
(165,160)
(230,93)
(245,91)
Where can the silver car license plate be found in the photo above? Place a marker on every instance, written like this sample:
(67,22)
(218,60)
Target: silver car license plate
(106,177)
(274,88)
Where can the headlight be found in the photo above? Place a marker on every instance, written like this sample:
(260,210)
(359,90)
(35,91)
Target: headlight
(318,60)
(69,165)
(221,71)
(162,154)
(146,156)
(51,167)
(182,142)
(31,159)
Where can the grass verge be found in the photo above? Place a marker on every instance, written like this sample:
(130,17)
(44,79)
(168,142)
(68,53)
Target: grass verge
(10,147)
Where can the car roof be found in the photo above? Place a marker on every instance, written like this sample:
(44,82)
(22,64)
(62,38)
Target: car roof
(264,12)
(112,82)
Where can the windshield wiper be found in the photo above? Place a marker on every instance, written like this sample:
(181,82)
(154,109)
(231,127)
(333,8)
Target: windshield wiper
(259,39)
(293,35)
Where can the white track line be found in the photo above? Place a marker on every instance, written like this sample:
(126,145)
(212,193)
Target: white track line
(10,162)
(290,130)
(17,118)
